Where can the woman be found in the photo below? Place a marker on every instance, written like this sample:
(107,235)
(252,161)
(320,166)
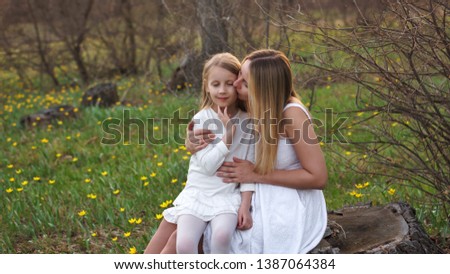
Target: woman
(289,210)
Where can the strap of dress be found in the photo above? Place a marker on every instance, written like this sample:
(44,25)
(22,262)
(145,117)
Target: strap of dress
(300,106)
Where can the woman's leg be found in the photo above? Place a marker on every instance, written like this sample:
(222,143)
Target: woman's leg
(222,229)
(161,237)
(190,230)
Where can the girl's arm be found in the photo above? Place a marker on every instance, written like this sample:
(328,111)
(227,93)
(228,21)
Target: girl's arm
(213,155)
(312,175)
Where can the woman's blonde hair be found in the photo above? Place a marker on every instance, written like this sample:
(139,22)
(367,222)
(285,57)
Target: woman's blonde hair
(224,60)
(270,88)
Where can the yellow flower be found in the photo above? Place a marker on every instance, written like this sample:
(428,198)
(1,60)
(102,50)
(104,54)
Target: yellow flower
(132,220)
(87,180)
(19,189)
(165,204)
(138,221)
(132,250)
(366,184)
(104,173)
(391,191)
(68,138)
(10,166)
(12,179)
(9,190)
(146,183)
(82,213)
(37,178)
(182,147)
(24,183)
(33,147)
(58,155)
(122,209)
(174,181)
(114,239)
(44,141)
(94,234)
(158,216)
(348,153)
(155,128)
(159,164)
(92,196)
(359,114)
(143,178)
(74,159)
(126,234)
(358,195)
(153,174)
(51,182)
(353,193)
(185,157)
(116,192)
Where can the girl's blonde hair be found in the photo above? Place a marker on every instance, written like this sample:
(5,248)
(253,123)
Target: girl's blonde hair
(224,60)
(270,88)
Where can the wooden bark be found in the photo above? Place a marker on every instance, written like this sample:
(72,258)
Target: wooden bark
(392,229)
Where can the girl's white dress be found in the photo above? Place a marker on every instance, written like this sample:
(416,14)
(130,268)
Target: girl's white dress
(285,220)
(205,195)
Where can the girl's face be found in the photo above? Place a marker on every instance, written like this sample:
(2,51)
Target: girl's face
(220,87)
(241,83)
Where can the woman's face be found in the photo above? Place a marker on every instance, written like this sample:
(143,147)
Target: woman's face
(241,82)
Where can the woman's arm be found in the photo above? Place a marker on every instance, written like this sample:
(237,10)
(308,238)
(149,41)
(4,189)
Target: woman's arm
(312,175)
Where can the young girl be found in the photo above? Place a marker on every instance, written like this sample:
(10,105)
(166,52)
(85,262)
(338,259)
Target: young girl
(206,199)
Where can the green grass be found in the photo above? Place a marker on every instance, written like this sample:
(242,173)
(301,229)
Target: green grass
(63,191)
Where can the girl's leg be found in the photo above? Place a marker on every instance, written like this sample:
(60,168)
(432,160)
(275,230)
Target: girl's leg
(171,246)
(190,230)
(222,229)
(159,240)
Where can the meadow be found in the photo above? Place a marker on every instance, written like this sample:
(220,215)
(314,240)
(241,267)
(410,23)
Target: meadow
(63,190)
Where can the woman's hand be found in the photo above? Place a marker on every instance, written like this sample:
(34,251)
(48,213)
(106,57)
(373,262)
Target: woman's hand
(197,139)
(238,171)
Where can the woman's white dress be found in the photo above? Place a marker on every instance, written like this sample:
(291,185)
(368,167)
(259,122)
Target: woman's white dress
(285,220)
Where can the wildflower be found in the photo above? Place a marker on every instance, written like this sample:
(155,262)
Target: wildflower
(158,216)
(24,183)
(127,234)
(12,179)
(366,184)
(185,157)
(391,191)
(19,189)
(353,193)
(182,147)
(132,220)
(165,204)
(82,213)
(68,138)
(138,221)
(132,250)
(104,173)
(155,128)
(359,114)
(59,122)
(87,180)
(58,155)
(14,144)
(176,150)
(9,190)
(44,141)
(174,181)
(394,124)
(33,147)
(10,166)
(51,182)
(37,178)
(92,196)
(159,164)
(348,153)
(94,234)
(358,195)
(122,209)
(116,192)
(74,159)
(144,178)
(114,239)
(153,174)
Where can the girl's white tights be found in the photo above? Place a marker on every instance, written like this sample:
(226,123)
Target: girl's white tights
(190,230)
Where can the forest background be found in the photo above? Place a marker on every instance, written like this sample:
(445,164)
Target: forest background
(374,74)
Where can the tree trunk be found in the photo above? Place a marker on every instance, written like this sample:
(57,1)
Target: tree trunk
(392,229)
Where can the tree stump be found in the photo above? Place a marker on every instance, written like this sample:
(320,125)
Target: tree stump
(392,229)
(102,95)
(48,116)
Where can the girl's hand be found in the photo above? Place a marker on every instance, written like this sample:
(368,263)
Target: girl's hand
(238,171)
(245,220)
(197,139)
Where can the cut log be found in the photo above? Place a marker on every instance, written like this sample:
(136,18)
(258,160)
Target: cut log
(392,229)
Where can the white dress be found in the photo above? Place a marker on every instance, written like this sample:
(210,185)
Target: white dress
(205,195)
(285,220)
